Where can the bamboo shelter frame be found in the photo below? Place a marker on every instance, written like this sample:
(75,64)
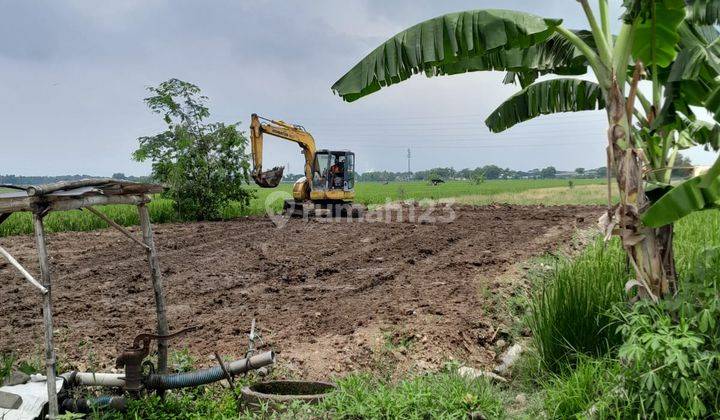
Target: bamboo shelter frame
(78,195)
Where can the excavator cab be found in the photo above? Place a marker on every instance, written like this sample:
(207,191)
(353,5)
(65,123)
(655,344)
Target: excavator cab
(334,170)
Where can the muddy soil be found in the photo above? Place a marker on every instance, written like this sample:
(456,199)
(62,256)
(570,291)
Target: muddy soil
(329,297)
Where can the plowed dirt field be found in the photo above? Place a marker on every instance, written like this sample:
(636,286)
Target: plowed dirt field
(329,297)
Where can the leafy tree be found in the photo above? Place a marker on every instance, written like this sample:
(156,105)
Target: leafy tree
(203,164)
(548,172)
(492,171)
(465,173)
(434,174)
(580,171)
(669,42)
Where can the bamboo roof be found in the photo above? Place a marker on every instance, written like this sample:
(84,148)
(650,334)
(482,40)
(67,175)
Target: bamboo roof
(72,195)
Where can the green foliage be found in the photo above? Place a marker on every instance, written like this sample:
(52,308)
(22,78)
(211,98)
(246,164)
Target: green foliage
(548,172)
(478,177)
(669,363)
(6,364)
(672,350)
(705,12)
(590,387)
(687,197)
(182,361)
(569,314)
(656,36)
(205,402)
(203,164)
(444,395)
(546,97)
(10,362)
(461,39)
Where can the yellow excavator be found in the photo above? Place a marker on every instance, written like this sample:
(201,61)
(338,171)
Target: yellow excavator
(328,187)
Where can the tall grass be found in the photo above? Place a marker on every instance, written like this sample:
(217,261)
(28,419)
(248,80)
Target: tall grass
(569,314)
(693,235)
(603,384)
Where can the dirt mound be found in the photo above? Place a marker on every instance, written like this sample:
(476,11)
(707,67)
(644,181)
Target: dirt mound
(330,297)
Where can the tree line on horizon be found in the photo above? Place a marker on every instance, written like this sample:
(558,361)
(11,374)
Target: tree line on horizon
(486,172)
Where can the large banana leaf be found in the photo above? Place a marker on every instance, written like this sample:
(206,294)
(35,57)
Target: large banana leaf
(712,103)
(701,132)
(699,55)
(435,44)
(656,35)
(692,77)
(712,174)
(682,200)
(546,97)
(705,12)
(688,64)
(556,55)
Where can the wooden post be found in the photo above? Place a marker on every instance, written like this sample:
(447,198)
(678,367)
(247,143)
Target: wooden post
(47,316)
(162,324)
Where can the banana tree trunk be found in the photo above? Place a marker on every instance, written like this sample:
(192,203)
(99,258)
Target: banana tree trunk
(665,236)
(649,250)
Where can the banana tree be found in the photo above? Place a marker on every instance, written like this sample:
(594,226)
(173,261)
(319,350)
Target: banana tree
(527,47)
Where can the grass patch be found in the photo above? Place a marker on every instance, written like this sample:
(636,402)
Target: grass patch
(586,194)
(444,395)
(694,235)
(569,314)
(590,387)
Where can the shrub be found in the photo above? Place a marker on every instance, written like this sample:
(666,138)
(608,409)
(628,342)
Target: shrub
(569,315)
(671,351)
(204,165)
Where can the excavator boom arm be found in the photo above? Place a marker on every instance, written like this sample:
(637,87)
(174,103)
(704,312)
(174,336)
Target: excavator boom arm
(285,131)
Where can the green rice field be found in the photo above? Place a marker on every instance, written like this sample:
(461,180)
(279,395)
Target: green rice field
(548,191)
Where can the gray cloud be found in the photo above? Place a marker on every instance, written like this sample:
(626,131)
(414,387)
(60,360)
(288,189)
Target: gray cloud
(73,74)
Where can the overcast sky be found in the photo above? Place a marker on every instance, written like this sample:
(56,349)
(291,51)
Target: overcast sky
(73,74)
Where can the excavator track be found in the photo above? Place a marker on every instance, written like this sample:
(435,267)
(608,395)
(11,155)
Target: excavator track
(307,209)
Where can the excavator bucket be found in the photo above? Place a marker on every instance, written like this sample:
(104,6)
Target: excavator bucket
(269,179)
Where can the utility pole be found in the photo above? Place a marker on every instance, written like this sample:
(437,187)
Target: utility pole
(408,158)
